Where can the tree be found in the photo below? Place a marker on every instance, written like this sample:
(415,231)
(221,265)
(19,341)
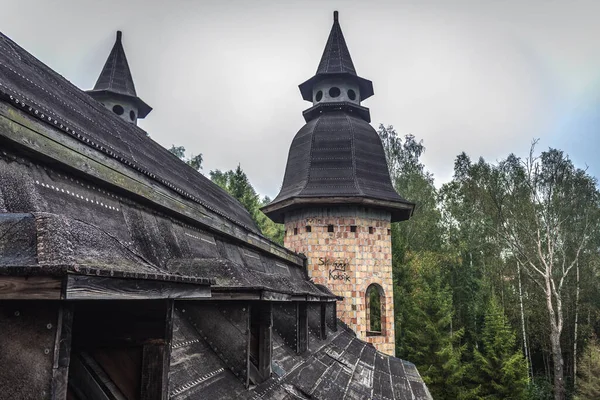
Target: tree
(236,183)
(194,161)
(544,210)
(429,340)
(409,177)
(500,368)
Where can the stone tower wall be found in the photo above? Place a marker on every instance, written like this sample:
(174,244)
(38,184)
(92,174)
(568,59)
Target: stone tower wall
(348,262)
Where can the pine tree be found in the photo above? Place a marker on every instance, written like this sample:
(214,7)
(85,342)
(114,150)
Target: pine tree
(588,382)
(501,370)
(428,339)
(237,184)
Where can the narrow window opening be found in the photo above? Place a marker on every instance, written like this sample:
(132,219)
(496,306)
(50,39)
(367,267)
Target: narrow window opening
(375,306)
(295,231)
(389,232)
(329,228)
(371,230)
(308,228)
(353,228)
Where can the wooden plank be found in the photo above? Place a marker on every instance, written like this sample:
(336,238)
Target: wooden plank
(302,333)
(29,288)
(153,385)
(268,295)
(323,325)
(265,346)
(62,352)
(170,309)
(216,294)
(104,288)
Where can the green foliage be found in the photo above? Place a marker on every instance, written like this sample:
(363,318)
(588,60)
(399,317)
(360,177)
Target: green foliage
(236,183)
(374,309)
(588,384)
(429,339)
(194,161)
(500,368)
(423,230)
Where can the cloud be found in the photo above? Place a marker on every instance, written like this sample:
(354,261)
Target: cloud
(480,76)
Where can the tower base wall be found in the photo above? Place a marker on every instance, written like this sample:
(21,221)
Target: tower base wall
(348,250)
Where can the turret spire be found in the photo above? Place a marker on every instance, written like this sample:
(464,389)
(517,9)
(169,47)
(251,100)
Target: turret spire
(115,89)
(336,56)
(336,83)
(115,75)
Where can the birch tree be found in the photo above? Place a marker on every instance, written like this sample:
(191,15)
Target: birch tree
(546,211)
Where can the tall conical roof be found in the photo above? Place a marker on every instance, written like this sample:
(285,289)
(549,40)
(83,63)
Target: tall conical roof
(115,75)
(337,158)
(336,56)
(336,60)
(116,80)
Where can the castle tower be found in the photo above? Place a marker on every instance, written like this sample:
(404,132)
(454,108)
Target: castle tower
(115,88)
(337,200)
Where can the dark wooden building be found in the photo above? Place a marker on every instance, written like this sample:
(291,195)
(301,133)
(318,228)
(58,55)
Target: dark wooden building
(126,274)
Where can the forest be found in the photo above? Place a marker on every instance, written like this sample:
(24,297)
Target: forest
(496,275)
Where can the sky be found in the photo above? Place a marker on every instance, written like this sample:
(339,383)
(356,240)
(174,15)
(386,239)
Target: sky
(481,76)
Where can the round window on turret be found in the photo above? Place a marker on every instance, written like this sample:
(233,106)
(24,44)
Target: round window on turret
(334,92)
(132,115)
(118,110)
(351,94)
(319,95)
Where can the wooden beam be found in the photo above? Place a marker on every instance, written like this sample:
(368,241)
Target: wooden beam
(153,385)
(302,333)
(216,294)
(81,287)
(30,288)
(265,346)
(268,295)
(323,319)
(62,352)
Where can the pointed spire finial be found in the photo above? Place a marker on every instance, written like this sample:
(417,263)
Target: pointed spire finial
(335,16)
(119,36)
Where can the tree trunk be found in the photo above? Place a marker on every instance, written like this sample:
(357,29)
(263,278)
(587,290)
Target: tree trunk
(576,322)
(557,360)
(527,359)
(556,323)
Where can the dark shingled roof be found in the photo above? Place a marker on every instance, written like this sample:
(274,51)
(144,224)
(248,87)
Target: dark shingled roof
(116,79)
(338,367)
(336,60)
(37,89)
(337,155)
(336,56)
(115,75)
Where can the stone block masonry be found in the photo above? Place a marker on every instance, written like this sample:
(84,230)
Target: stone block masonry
(348,249)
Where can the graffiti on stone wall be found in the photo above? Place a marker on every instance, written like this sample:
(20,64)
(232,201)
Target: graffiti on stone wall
(337,268)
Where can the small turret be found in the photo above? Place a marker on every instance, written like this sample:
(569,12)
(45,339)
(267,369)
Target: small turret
(115,88)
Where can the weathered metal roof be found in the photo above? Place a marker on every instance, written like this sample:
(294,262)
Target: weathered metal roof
(47,96)
(337,157)
(338,367)
(116,75)
(336,56)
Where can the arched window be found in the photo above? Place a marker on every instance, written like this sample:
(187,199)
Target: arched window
(375,309)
